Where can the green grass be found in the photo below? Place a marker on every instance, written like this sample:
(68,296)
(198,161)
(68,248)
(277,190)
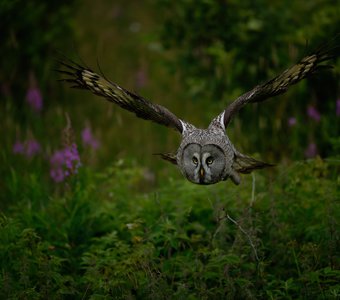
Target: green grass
(99,237)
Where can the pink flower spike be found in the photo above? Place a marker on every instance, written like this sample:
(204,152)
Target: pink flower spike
(64,163)
(57,175)
(57,158)
(18,148)
(292,122)
(338,108)
(34,99)
(313,113)
(89,139)
(311,150)
(32,148)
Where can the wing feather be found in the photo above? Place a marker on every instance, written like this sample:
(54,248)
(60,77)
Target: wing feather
(84,78)
(246,164)
(280,84)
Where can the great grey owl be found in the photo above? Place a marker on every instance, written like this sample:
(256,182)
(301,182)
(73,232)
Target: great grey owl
(205,156)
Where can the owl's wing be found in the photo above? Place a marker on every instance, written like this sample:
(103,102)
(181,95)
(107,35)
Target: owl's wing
(245,164)
(85,78)
(170,157)
(278,85)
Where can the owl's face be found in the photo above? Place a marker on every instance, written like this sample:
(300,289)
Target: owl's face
(203,164)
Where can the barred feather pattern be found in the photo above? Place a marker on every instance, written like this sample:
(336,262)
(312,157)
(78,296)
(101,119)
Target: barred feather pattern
(85,78)
(280,84)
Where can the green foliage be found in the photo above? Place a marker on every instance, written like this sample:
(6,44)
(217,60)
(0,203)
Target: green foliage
(29,269)
(272,238)
(227,46)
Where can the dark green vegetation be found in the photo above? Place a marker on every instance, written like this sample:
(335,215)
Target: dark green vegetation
(103,239)
(87,212)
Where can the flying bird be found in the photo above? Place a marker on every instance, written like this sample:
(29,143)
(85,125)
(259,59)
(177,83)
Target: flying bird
(205,156)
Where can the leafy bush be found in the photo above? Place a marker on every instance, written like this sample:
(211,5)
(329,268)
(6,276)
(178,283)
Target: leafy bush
(274,237)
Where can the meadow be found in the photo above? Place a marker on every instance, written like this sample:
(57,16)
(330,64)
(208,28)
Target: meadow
(87,210)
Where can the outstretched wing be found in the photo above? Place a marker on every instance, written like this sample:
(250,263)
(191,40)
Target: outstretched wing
(245,164)
(278,85)
(170,157)
(85,78)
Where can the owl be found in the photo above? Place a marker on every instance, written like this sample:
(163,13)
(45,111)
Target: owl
(205,156)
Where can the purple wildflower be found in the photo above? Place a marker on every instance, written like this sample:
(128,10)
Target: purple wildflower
(88,139)
(313,113)
(57,174)
(34,99)
(18,147)
(57,158)
(64,163)
(292,121)
(338,107)
(28,148)
(72,159)
(311,150)
(32,147)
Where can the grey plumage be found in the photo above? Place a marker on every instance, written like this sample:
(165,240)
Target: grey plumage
(205,156)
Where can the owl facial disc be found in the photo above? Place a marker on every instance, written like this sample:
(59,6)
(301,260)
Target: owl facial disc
(203,164)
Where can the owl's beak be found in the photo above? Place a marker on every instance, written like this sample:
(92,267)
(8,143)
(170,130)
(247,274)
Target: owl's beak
(201,173)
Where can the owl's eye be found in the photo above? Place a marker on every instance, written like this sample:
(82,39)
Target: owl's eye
(209,160)
(195,160)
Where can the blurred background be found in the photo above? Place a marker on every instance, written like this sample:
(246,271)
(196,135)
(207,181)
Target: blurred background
(88,212)
(192,57)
